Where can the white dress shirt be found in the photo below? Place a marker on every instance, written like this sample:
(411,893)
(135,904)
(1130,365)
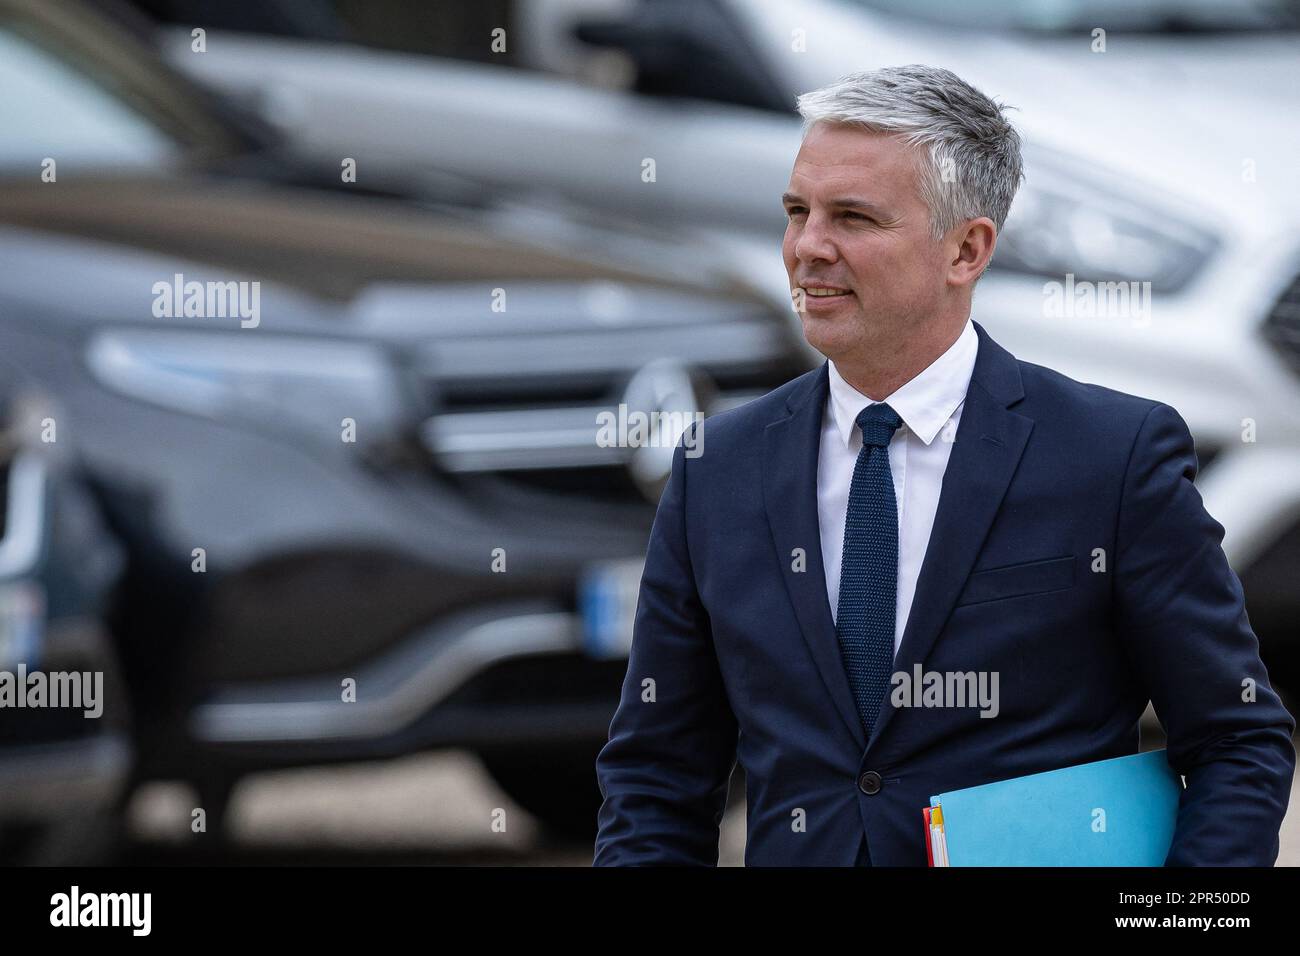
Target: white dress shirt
(930,407)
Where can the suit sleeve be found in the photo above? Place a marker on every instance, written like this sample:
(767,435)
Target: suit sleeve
(1182,617)
(672,743)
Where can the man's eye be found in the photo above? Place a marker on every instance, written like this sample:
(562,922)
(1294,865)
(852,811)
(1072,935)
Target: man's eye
(795,211)
(856,215)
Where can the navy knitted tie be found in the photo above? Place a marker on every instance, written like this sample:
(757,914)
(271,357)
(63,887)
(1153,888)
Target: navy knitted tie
(865,619)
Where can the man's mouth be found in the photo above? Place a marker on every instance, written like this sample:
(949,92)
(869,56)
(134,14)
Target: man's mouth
(824,291)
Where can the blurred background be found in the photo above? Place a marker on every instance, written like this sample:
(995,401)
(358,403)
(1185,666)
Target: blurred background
(433,241)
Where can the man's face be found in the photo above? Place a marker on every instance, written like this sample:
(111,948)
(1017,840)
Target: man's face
(857,223)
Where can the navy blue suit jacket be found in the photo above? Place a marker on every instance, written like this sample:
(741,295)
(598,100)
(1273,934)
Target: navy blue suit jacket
(734,654)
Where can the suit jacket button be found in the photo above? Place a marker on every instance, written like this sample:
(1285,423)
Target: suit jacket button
(869,783)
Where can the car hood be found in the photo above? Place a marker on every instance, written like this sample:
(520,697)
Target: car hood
(1167,113)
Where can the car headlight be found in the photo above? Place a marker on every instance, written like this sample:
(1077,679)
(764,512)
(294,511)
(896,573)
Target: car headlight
(1065,220)
(308,384)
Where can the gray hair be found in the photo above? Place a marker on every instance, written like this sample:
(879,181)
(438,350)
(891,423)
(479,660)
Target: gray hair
(964,130)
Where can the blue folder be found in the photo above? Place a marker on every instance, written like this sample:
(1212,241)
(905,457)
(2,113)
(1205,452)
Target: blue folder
(1118,812)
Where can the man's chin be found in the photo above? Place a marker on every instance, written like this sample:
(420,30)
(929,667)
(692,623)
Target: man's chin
(831,337)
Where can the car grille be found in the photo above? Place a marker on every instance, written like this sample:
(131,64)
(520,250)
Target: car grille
(522,404)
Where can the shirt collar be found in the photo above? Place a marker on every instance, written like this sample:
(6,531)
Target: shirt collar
(925,403)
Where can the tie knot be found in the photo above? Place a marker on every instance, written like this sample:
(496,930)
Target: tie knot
(878,423)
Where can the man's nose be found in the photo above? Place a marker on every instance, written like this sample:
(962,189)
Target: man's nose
(814,242)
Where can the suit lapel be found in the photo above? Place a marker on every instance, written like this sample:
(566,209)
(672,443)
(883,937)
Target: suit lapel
(986,451)
(791,447)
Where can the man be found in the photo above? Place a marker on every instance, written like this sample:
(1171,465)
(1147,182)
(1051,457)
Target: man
(926,503)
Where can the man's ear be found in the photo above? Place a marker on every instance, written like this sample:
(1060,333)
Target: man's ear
(973,242)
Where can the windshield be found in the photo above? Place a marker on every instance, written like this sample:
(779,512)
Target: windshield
(1116,16)
(50,110)
(77,90)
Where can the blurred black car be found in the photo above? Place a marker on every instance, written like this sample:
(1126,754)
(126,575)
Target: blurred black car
(364,507)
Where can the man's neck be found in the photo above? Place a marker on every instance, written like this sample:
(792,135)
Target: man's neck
(888,368)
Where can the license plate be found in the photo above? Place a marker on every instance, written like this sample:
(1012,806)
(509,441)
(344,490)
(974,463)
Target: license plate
(22,617)
(607,596)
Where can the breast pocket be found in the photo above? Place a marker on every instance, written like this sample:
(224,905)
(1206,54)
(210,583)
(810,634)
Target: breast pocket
(1018,580)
